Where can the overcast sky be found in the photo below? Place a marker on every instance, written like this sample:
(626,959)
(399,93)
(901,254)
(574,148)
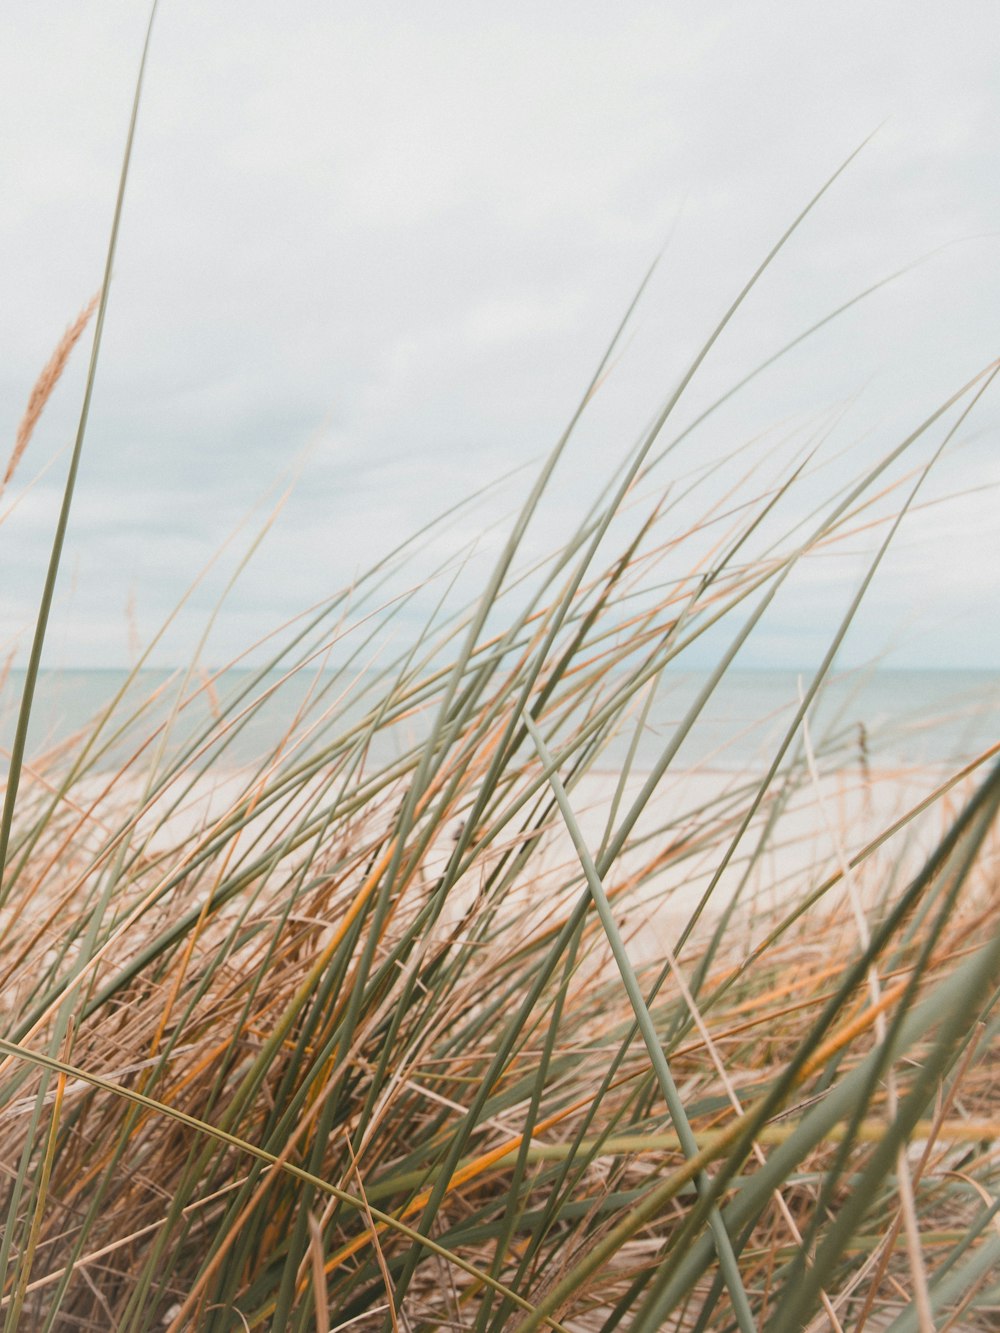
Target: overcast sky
(392,241)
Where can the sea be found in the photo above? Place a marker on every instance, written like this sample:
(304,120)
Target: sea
(877,717)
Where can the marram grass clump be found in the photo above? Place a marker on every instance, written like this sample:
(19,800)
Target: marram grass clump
(446,1013)
(344,1037)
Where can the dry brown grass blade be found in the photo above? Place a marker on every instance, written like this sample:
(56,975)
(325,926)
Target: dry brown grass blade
(383,1266)
(318,1276)
(45,385)
(918,1268)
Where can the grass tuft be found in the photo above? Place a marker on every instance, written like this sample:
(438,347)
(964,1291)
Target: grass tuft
(439,987)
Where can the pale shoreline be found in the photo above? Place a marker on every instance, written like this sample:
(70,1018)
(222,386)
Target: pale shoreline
(818,830)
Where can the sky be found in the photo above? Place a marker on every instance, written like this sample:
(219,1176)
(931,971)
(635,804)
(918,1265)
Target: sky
(379,249)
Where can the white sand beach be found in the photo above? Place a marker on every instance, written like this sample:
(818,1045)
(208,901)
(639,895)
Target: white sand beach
(852,831)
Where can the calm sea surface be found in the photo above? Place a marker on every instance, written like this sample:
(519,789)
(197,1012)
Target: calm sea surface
(908,717)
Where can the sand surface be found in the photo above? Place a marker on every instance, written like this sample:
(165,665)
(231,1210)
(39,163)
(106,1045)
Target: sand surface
(689,825)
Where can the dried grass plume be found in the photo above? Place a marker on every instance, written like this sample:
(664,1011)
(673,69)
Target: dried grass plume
(44,386)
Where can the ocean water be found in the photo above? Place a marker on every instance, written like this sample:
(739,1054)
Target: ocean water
(883,717)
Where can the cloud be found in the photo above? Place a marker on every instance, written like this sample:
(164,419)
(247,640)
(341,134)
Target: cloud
(404,239)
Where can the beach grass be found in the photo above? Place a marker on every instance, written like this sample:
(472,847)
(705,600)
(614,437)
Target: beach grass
(446,1013)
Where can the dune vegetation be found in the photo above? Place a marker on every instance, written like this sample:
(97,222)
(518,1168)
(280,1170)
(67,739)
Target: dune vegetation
(445,1012)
